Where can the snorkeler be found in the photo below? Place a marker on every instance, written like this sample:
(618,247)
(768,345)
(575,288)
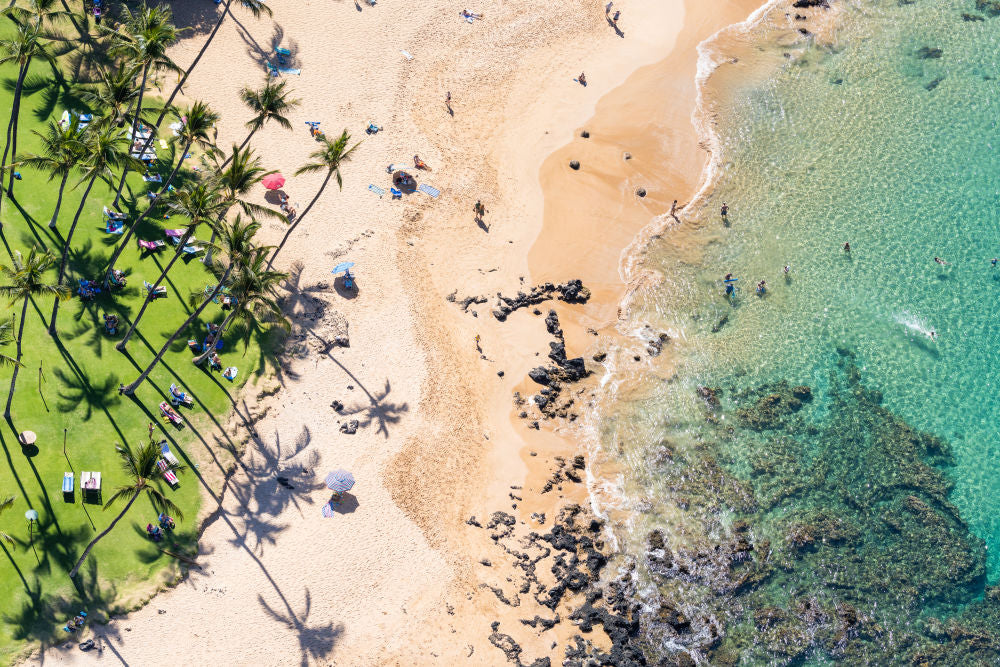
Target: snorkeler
(940,261)
(787,269)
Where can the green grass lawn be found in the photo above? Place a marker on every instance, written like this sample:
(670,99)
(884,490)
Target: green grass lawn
(70,385)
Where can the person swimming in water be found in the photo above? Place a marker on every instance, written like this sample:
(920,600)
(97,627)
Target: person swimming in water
(932,335)
(940,261)
(993,262)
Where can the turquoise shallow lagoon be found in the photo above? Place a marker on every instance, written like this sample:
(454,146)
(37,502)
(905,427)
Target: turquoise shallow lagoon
(878,489)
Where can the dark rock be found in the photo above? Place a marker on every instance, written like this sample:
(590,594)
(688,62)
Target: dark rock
(804,32)
(540,375)
(579,462)
(337,405)
(929,53)
(539,622)
(600,356)
(972,18)
(717,327)
(934,83)
(552,323)
(342,341)
(350,427)
(499,373)
(640,192)
(472,522)
(989,7)
(574,164)
(585,134)
(805,4)
(802,392)
(541,401)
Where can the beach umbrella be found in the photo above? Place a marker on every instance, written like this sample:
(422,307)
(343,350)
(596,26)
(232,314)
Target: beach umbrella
(339,480)
(342,267)
(273,181)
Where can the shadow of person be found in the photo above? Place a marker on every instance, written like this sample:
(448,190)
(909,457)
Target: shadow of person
(482,225)
(340,285)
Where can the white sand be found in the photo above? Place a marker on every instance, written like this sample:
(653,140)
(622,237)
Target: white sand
(279,583)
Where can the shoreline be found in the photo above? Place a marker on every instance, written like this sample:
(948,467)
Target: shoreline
(404,568)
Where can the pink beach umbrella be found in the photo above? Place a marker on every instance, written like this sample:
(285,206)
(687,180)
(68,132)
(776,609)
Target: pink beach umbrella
(273,181)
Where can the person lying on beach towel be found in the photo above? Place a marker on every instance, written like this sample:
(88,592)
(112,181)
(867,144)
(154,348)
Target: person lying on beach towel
(469,16)
(420,164)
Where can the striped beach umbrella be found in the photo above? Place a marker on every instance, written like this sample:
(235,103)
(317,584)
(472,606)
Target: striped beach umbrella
(339,480)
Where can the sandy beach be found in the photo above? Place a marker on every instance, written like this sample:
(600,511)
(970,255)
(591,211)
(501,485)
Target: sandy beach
(396,576)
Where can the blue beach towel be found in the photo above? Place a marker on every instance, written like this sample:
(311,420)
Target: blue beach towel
(428,190)
(376,189)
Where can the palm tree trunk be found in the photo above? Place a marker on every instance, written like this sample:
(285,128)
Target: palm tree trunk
(208,250)
(15,112)
(242,146)
(142,216)
(130,389)
(149,297)
(135,128)
(13,378)
(222,330)
(10,125)
(93,542)
(298,220)
(180,84)
(65,252)
(55,213)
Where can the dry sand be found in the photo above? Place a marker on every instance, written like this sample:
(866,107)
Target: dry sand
(394,578)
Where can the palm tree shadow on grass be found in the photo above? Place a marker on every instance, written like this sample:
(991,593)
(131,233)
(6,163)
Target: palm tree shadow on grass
(55,548)
(94,394)
(315,641)
(42,616)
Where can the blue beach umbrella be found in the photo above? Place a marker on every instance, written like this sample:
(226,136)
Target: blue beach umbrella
(343,267)
(339,481)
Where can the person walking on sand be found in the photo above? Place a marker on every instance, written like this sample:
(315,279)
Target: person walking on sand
(479,348)
(479,210)
(447,102)
(582,79)
(614,19)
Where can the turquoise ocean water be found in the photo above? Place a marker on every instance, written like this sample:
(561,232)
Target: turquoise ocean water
(878,490)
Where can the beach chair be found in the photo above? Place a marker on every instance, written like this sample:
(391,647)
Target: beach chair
(282,54)
(192,249)
(167,454)
(177,396)
(168,474)
(396,194)
(376,189)
(174,235)
(152,178)
(159,292)
(151,246)
(90,486)
(170,414)
(166,522)
(434,193)
(67,487)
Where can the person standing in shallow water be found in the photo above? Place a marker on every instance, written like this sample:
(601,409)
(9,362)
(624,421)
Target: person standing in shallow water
(724,210)
(847,247)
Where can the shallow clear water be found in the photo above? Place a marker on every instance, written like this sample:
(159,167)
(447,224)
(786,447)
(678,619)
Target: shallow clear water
(884,142)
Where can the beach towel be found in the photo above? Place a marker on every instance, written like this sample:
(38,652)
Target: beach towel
(152,245)
(112,229)
(289,70)
(67,486)
(113,215)
(406,54)
(428,190)
(230,373)
(396,194)
(167,473)
(376,189)
(192,249)
(163,144)
(153,178)
(167,454)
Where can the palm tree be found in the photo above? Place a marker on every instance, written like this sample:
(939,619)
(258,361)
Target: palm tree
(115,95)
(62,148)
(254,289)
(25,282)
(26,45)
(236,244)
(255,7)
(143,473)
(328,157)
(198,202)
(105,149)
(269,102)
(196,129)
(143,40)
(241,176)
(6,338)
